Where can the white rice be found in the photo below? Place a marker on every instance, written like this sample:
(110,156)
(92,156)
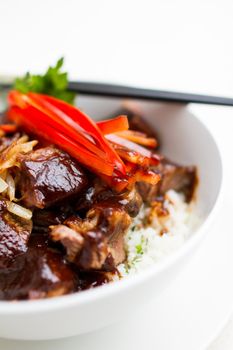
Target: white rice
(146,245)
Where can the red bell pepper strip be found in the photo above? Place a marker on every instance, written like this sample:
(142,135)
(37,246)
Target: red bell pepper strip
(8,128)
(54,108)
(57,119)
(90,127)
(31,119)
(132,152)
(139,174)
(135,173)
(138,137)
(111,126)
(148,176)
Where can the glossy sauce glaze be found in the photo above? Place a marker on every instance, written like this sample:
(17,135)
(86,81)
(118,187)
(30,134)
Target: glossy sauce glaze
(43,272)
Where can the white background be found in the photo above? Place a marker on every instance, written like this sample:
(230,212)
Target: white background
(175,45)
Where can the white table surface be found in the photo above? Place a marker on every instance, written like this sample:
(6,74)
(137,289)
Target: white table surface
(175,45)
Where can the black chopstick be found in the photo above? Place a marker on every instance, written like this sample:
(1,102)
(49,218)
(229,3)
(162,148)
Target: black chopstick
(99,89)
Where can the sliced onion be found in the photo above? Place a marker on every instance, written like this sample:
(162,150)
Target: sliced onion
(27,146)
(3,185)
(11,187)
(9,156)
(3,174)
(19,210)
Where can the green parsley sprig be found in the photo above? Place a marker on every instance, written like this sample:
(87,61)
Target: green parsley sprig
(54,82)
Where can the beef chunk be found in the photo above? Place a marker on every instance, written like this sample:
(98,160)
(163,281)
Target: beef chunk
(97,240)
(130,201)
(48,176)
(136,122)
(89,242)
(173,177)
(112,223)
(40,272)
(92,279)
(178,178)
(14,235)
(43,218)
(98,192)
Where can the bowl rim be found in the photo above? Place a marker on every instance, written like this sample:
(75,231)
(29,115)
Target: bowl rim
(76,299)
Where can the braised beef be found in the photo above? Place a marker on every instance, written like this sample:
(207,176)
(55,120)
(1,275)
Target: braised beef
(48,176)
(173,177)
(92,279)
(97,241)
(14,235)
(89,242)
(43,218)
(98,192)
(178,178)
(40,272)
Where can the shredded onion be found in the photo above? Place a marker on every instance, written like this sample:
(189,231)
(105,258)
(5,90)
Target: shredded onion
(3,185)
(11,187)
(9,156)
(3,175)
(19,210)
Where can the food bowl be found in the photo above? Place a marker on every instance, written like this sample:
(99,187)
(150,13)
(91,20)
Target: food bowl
(185,140)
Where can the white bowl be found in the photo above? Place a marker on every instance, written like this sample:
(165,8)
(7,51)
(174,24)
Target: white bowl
(185,140)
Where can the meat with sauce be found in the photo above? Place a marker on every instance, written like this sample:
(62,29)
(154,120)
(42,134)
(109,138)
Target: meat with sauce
(14,235)
(43,218)
(38,273)
(176,177)
(48,176)
(97,241)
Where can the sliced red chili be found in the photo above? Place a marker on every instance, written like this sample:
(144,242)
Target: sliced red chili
(63,123)
(90,127)
(138,137)
(8,128)
(117,124)
(31,119)
(139,174)
(133,152)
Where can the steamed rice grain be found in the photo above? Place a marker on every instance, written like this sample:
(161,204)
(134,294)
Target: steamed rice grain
(146,245)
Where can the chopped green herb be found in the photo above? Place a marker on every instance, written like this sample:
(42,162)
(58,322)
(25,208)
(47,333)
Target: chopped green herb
(134,261)
(139,249)
(127,267)
(54,82)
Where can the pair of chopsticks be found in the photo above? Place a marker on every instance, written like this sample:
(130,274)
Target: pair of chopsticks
(99,89)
